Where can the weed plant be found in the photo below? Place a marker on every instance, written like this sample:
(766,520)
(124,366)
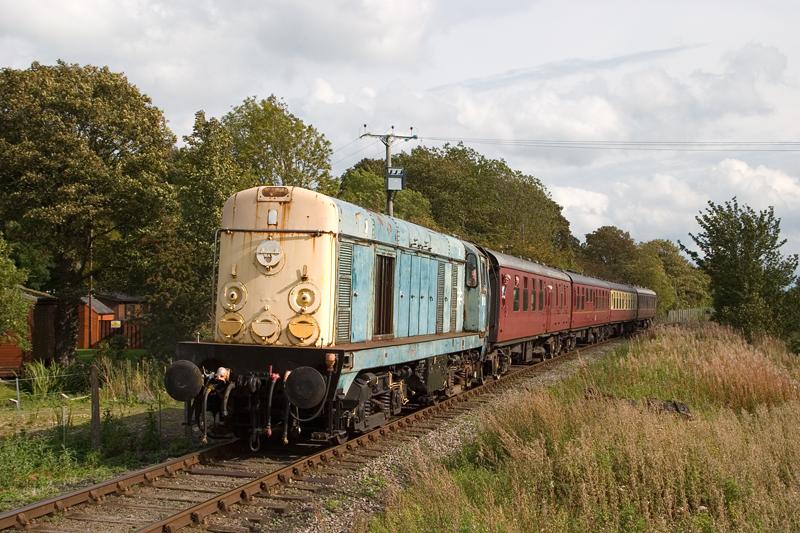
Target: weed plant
(564,460)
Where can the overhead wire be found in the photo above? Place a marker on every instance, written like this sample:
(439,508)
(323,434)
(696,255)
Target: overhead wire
(679,146)
(356,152)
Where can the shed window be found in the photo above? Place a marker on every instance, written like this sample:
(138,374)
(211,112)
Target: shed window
(525,295)
(384,294)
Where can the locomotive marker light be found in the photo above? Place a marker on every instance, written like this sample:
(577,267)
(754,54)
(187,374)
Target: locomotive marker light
(234,296)
(303,298)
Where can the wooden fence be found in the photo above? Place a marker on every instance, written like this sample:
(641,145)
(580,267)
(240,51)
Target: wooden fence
(698,314)
(129,330)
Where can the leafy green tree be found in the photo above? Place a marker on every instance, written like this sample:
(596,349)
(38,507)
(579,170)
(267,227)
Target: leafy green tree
(368,189)
(205,174)
(83,157)
(274,147)
(789,317)
(740,252)
(485,201)
(609,253)
(690,284)
(13,306)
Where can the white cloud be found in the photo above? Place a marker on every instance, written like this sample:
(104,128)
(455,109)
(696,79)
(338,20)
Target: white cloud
(758,186)
(586,210)
(323,92)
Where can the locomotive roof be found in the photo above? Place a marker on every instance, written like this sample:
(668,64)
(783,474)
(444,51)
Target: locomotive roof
(509,261)
(360,223)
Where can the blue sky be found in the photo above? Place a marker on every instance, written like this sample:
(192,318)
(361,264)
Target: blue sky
(581,71)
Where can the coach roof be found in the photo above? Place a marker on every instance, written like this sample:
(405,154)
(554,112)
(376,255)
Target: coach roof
(509,261)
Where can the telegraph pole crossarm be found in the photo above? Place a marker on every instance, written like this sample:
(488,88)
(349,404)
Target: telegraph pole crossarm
(388,139)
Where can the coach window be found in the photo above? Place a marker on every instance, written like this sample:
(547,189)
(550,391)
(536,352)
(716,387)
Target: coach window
(516,298)
(525,294)
(384,294)
(541,296)
(472,271)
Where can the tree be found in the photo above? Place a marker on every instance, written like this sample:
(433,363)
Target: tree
(274,147)
(368,189)
(740,252)
(13,306)
(608,254)
(485,201)
(83,158)
(180,272)
(690,284)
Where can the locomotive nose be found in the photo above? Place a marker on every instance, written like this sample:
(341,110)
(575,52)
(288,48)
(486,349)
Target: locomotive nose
(183,380)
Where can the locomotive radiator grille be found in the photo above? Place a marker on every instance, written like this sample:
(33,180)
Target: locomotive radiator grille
(454,298)
(440,298)
(344,292)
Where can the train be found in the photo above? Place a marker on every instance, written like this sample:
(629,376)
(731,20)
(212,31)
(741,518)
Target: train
(330,319)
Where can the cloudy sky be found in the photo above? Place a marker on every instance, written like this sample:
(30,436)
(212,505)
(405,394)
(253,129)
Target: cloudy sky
(632,71)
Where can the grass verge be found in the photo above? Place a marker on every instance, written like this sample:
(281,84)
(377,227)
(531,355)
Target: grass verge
(561,459)
(40,464)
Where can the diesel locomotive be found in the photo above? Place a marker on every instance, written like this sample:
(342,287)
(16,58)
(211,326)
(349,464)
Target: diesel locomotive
(331,319)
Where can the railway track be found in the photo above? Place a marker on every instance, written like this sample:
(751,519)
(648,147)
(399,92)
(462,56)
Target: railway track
(188,490)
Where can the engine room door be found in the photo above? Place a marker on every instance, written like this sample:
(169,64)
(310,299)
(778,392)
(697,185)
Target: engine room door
(363,262)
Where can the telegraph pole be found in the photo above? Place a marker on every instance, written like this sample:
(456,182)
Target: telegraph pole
(387,139)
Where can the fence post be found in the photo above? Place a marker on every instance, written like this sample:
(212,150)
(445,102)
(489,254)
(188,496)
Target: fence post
(95,426)
(19,404)
(127,373)
(187,419)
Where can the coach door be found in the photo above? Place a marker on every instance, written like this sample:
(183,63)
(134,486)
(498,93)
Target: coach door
(548,305)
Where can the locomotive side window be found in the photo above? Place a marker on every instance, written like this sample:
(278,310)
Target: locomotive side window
(471,278)
(384,294)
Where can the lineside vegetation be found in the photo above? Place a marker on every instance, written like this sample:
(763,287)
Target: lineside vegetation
(588,454)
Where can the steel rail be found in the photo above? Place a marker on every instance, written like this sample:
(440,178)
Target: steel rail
(22,516)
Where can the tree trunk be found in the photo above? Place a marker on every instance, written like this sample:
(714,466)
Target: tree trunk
(66,329)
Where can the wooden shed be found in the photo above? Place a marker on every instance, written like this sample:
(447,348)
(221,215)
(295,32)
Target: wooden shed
(41,333)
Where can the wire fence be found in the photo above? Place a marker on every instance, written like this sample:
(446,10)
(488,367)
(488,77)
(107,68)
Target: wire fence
(121,397)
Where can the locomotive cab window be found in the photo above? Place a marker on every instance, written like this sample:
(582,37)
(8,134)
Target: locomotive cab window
(384,294)
(471,278)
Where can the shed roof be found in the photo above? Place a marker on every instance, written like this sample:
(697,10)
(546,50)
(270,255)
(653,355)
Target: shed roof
(98,307)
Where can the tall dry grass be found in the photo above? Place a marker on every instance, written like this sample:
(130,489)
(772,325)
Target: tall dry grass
(559,460)
(130,380)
